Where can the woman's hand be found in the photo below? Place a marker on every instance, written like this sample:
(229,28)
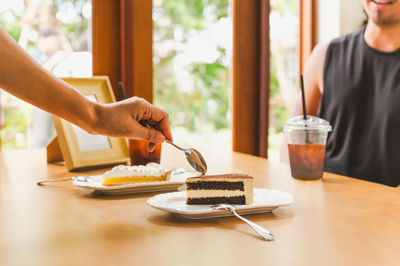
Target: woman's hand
(25,79)
(122,119)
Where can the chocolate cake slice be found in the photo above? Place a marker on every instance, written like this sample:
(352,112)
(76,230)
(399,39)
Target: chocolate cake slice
(214,189)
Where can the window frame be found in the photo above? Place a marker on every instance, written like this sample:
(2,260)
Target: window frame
(122,49)
(308,37)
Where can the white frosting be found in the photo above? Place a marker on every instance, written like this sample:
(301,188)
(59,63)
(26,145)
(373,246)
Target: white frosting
(213,193)
(151,169)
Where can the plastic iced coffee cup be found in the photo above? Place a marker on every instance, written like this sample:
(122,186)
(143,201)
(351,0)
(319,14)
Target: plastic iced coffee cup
(306,144)
(140,155)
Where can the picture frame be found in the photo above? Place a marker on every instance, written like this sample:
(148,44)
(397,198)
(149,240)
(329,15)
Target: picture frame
(79,149)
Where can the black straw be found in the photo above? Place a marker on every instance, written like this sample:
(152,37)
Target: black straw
(303,98)
(121,91)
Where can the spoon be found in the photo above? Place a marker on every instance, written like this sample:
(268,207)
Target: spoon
(264,233)
(193,156)
(77,178)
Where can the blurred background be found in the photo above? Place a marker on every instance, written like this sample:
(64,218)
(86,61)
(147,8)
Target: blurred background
(192,56)
(56,33)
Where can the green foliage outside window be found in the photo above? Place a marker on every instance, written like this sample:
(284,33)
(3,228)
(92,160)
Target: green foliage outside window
(205,106)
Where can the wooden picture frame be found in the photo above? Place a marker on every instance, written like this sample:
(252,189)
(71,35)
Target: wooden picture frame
(79,149)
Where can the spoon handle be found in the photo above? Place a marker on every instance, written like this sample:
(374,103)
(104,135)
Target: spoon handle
(173,144)
(166,140)
(264,233)
(40,183)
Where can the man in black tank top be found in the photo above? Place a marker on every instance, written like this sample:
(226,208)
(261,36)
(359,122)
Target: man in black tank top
(354,83)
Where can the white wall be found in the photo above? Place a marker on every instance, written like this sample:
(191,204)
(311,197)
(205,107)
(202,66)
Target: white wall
(328,20)
(351,15)
(338,17)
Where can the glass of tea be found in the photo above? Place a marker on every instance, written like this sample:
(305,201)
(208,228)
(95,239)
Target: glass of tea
(306,144)
(140,155)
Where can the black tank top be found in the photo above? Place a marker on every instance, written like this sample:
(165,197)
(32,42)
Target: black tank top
(361,100)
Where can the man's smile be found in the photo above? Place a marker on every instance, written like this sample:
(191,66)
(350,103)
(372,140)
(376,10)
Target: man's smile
(383,2)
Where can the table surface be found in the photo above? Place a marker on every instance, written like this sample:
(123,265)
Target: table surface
(333,221)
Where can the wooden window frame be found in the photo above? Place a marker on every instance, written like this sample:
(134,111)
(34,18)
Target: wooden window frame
(250,77)
(106,44)
(117,52)
(308,13)
(122,49)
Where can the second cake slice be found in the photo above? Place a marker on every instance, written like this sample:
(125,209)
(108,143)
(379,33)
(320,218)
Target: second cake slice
(214,189)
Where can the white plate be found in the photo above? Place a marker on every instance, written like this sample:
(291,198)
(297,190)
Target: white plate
(265,200)
(94,182)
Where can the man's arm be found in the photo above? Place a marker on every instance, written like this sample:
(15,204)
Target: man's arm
(313,88)
(313,80)
(21,76)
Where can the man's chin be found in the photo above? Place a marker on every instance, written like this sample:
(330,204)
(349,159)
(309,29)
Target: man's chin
(385,21)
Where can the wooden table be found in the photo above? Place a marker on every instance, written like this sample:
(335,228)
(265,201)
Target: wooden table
(336,221)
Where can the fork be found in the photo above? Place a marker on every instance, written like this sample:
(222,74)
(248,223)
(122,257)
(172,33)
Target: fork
(264,233)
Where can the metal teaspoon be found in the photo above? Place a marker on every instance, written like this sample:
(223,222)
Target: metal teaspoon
(193,156)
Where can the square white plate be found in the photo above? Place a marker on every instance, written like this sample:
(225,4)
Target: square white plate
(265,200)
(94,182)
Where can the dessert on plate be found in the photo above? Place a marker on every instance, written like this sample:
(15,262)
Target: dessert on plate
(214,189)
(124,174)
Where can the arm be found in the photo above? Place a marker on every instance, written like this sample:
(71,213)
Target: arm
(21,76)
(313,80)
(313,88)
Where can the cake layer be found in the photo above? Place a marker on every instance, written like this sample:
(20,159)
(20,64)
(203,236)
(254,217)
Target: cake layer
(213,189)
(222,185)
(224,177)
(151,169)
(123,174)
(114,181)
(213,193)
(240,200)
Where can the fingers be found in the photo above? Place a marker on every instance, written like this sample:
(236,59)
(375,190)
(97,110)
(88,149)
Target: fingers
(158,119)
(125,117)
(153,136)
(163,126)
(151,146)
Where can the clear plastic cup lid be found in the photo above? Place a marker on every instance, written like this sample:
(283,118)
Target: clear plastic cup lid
(312,123)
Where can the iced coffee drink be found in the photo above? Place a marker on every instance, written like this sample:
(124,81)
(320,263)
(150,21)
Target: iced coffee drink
(306,144)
